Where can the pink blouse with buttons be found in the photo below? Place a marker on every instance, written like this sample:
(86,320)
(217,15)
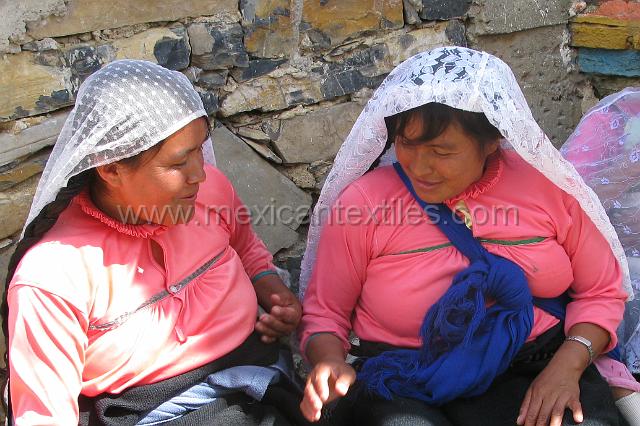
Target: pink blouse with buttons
(92,311)
(380,266)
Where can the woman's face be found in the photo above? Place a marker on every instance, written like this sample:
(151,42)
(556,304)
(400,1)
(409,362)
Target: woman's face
(443,167)
(162,187)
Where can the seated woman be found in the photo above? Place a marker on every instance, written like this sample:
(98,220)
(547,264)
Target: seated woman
(135,279)
(453,266)
(605,150)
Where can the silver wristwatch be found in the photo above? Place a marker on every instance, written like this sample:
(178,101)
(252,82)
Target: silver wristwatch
(586,342)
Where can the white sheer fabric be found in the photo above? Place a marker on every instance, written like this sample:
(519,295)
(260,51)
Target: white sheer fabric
(121,110)
(605,150)
(465,79)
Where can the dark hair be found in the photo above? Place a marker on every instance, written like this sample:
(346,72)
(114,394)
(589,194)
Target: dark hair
(34,232)
(436,118)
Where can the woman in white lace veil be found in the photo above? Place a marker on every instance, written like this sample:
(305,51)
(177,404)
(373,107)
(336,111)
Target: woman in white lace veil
(466,80)
(490,88)
(107,292)
(605,150)
(109,123)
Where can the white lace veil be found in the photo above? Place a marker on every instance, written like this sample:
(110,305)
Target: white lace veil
(121,110)
(605,150)
(465,79)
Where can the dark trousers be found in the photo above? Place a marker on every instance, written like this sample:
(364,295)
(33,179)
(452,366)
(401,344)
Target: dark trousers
(498,406)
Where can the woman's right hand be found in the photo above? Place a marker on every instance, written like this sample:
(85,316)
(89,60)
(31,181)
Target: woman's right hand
(327,381)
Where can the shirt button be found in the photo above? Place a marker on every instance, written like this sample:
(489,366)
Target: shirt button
(173,288)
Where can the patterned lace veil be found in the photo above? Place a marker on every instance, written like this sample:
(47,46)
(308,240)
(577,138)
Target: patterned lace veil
(121,110)
(465,79)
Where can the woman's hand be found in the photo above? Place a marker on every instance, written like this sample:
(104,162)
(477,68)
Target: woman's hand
(282,319)
(283,310)
(555,389)
(327,381)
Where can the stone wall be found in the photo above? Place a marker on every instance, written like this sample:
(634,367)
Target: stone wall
(607,37)
(283,80)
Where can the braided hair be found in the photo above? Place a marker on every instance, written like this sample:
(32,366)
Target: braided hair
(32,234)
(36,229)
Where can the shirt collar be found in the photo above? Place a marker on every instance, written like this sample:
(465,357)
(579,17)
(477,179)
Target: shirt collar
(147,230)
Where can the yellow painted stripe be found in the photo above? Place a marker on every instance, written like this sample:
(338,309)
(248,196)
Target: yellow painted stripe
(605,32)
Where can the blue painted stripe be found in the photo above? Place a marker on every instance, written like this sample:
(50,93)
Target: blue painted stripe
(624,63)
(263,274)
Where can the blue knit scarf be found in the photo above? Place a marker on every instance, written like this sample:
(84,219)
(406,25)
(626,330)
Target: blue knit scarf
(465,345)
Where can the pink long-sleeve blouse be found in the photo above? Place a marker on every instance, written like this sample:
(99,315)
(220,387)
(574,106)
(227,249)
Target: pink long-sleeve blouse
(380,266)
(93,312)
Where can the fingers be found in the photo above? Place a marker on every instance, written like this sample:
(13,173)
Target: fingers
(545,411)
(275,324)
(286,314)
(344,382)
(269,326)
(548,409)
(267,339)
(524,408)
(531,415)
(286,308)
(281,320)
(311,405)
(277,299)
(557,413)
(316,393)
(283,300)
(267,335)
(321,383)
(576,409)
(325,383)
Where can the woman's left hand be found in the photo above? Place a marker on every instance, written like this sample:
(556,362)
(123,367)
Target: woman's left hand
(557,386)
(282,319)
(549,395)
(555,389)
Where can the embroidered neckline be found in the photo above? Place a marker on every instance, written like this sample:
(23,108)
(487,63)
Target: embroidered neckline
(143,231)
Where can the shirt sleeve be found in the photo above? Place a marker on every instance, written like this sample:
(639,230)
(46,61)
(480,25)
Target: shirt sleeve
(256,259)
(46,356)
(596,293)
(339,271)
